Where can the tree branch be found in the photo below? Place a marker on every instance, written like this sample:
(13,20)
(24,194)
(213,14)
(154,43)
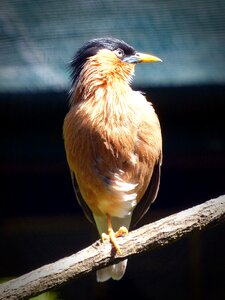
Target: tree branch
(98,255)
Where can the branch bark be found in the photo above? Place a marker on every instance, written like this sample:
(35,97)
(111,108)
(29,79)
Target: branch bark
(98,255)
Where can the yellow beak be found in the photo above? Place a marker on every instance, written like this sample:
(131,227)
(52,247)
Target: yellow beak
(147,58)
(140,58)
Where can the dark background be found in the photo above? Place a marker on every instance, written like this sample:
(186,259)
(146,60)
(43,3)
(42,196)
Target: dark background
(40,220)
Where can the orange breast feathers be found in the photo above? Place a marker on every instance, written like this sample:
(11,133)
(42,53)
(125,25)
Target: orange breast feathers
(112,141)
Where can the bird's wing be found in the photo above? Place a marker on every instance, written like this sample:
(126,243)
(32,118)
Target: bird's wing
(149,195)
(83,204)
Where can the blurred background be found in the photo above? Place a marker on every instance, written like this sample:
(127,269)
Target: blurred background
(40,219)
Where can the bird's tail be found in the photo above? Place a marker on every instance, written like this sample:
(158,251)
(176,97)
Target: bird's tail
(115,271)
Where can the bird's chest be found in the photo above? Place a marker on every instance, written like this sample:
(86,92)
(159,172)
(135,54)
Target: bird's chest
(105,152)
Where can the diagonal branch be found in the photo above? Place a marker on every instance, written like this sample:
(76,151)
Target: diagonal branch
(98,255)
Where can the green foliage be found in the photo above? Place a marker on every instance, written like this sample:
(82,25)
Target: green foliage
(47,296)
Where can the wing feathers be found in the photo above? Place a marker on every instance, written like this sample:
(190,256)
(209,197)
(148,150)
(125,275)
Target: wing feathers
(80,199)
(149,195)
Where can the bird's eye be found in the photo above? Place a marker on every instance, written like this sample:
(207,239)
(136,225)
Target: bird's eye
(119,52)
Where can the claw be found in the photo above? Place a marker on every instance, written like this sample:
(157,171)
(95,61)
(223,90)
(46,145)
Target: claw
(105,237)
(122,231)
(112,236)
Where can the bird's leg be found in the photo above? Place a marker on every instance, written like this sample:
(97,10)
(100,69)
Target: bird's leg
(113,235)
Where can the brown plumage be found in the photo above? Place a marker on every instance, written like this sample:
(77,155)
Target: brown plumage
(112,139)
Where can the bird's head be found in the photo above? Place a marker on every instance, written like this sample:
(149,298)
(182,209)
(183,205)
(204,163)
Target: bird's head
(108,57)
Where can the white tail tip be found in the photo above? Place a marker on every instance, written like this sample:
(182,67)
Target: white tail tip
(115,272)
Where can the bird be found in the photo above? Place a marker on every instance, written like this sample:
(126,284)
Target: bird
(113,141)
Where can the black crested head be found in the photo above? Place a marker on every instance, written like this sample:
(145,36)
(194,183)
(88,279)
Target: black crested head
(92,47)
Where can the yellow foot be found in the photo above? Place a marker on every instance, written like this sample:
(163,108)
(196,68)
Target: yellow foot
(111,236)
(122,231)
(105,237)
